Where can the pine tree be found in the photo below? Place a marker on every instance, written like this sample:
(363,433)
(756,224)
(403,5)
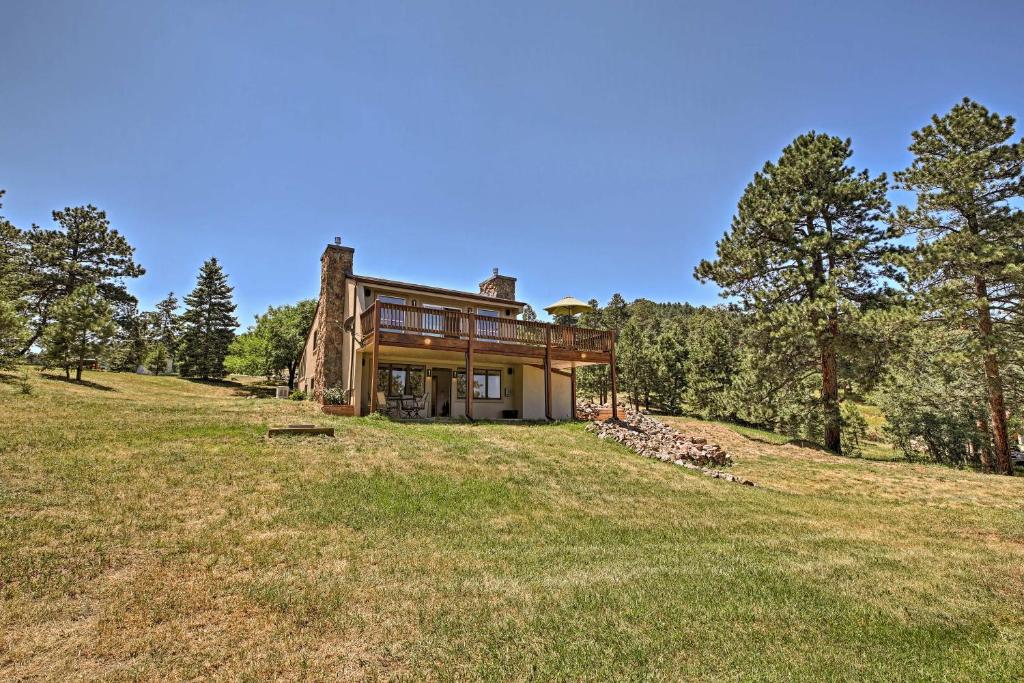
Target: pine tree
(81,328)
(713,349)
(165,325)
(13,329)
(670,363)
(968,267)
(805,252)
(208,324)
(156,359)
(131,344)
(13,251)
(83,250)
(615,314)
(592,381)
(13,333)
(636,353)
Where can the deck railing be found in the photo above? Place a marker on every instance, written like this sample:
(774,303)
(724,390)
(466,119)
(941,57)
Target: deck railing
(437,322)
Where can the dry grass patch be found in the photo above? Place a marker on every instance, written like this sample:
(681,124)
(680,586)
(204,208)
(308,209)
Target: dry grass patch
(151,532)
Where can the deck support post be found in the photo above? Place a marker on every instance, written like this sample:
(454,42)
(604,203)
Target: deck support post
(615,382)
(375,358)
(547,373)
(572,383)
(469,366)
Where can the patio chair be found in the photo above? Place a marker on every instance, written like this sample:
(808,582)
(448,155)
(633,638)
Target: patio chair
(413,406)
(386,406)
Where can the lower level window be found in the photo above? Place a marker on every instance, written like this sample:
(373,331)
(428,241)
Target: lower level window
(486,384)
(400,380)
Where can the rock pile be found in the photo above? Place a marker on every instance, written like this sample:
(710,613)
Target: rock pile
(654,439)
(588,410)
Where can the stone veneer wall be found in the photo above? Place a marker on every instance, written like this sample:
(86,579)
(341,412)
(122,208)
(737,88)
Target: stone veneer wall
(499,286)
(335,264)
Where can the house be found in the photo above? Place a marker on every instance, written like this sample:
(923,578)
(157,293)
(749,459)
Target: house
(422,342)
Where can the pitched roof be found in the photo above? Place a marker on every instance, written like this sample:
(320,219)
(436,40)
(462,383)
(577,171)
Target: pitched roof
(433,290)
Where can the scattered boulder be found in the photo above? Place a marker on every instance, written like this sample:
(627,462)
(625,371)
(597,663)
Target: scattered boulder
(653,439)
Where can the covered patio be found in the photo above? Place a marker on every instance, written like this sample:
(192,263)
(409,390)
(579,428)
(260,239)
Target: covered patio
(421,360)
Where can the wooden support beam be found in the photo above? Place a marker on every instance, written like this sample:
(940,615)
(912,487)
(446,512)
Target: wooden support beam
(469,366)
(375,358)
(547,373)
(615,383)
(572,383)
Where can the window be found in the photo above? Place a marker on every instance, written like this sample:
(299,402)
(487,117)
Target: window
(487,324)
(400,380)
(486,384)
(391,320)
(433,320)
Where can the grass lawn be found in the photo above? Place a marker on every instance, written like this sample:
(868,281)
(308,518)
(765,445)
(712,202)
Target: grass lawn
(150,531)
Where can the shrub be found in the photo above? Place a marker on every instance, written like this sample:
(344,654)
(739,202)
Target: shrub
(336,396)
(297,395)
(854,429)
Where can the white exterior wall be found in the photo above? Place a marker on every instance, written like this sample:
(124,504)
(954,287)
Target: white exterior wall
(533,395)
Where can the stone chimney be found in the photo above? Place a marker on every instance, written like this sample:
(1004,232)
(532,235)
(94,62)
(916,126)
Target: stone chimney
(335,266)
(499,286)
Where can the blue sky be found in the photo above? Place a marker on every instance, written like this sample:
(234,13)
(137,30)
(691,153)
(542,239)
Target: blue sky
(584,147)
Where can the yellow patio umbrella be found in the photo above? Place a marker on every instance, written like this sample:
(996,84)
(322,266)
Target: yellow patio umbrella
(568,305)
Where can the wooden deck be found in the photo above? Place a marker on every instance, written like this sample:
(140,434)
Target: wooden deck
(444,330)
(399,325)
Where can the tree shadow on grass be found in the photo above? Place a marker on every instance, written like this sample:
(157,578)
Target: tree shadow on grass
(77,382)
(11,378)
(237,388)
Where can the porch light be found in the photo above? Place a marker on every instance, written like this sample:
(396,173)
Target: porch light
(426,342)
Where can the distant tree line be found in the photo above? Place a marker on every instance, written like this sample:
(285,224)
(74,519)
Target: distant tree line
(64,303)
(836,296)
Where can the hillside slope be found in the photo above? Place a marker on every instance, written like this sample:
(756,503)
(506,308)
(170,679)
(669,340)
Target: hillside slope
(150,531)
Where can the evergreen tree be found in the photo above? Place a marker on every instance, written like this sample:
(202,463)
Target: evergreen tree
(13,329)
(636,353)
(713,349)
(83,250)
(615,314)
(805,252)
(13,333)
(592,381)
(528,313)
(933,397)
(81,328)
(130,346)
(670,363)
(208,324)
(157,358)
(165,324)
(13,251)
(968,267)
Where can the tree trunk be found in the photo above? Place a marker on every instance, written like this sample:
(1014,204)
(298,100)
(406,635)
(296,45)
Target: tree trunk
(993,382)
(830,387)
(31,340)
(985,450)
(78,371)
(291,378)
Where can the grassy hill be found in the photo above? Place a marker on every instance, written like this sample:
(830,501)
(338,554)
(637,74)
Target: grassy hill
(150,531)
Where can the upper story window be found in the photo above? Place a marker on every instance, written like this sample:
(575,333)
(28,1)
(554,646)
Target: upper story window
(486,324)
(391,320)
